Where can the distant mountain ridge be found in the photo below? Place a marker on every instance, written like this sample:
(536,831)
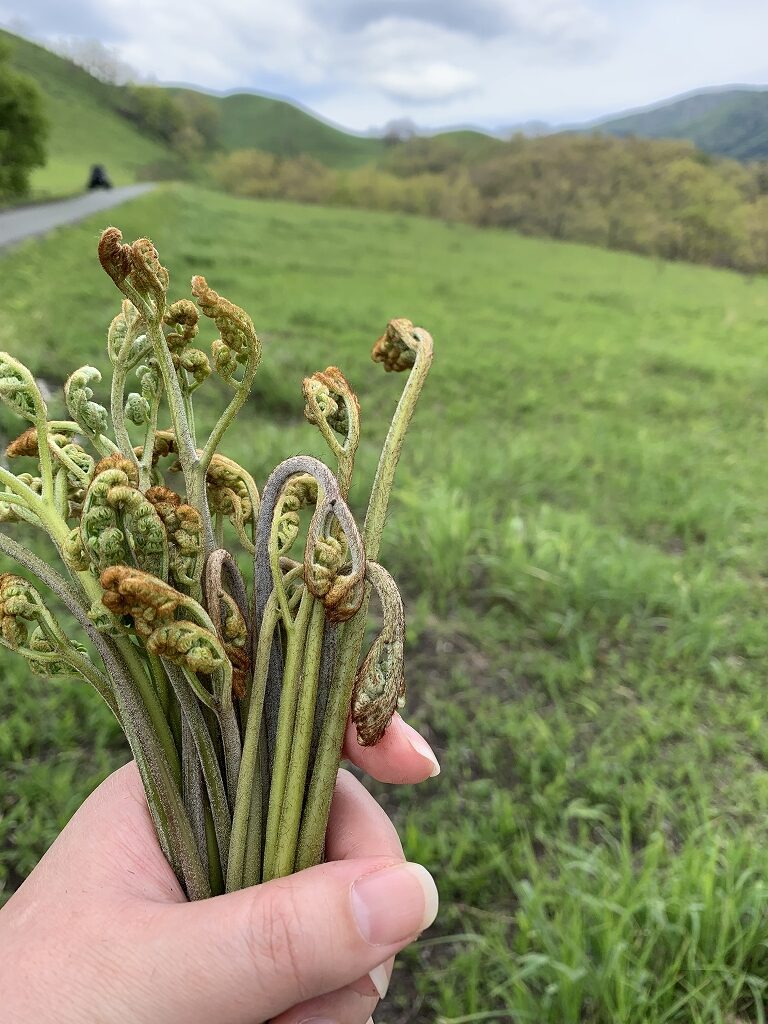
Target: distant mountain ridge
(730,122)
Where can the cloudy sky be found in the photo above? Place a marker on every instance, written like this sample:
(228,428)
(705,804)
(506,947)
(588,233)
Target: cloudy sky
(361,63)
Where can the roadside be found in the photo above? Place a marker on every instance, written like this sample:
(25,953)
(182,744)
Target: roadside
(28,221)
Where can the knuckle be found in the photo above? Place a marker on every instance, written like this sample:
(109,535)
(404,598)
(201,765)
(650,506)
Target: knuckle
(274,937)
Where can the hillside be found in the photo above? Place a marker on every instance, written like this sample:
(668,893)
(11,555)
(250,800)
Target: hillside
(732,123)
(283,129)
(277,126)
(85,128)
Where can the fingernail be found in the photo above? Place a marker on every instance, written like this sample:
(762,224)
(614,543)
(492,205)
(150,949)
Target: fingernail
(318,1020)
(422,748)
(394,904)
(380,978)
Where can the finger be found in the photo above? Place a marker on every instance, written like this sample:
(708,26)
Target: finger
(349,838)
(400,756)
(346,1006)
(256,953)
(358,827)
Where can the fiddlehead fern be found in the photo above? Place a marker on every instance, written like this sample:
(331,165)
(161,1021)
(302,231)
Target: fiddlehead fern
(196,679)
(188,645)
(19,391)
(230,615)
(147,601)
(380,682)
(119,523)
(238,348)
(332,406)
(30,629)
(92,418)
(233,494)
(401,347)
(184,529)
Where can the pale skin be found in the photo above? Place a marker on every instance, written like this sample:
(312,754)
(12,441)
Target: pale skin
(101,931)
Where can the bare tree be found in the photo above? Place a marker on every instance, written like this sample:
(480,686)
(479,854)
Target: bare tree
(103,62)
(399,130)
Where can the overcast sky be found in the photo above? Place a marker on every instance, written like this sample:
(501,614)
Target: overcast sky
(361,63)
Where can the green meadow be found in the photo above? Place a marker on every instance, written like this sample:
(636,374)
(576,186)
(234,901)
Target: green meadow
(580,531)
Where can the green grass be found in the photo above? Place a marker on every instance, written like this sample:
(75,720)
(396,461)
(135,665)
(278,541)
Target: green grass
(581,534)
(85,128)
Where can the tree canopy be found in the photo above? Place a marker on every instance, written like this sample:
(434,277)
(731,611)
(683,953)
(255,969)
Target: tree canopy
(23,129)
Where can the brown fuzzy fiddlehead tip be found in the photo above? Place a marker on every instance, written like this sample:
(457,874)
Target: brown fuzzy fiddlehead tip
(184,317)
(396,348)
(120,462)
(141,596)
(330,399)
(184,527)
(115,257)
(164,500)
(149,275)
(24,444)
(334,559)
(380,682)
(239,344)
(189,645)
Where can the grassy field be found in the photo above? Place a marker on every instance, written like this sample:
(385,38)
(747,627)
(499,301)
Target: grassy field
(582,537)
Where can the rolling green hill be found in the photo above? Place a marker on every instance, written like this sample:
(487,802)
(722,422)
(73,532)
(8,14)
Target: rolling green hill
(277,126)
(85,127)
(732,123)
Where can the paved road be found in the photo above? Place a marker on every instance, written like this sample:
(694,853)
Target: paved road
(16,225)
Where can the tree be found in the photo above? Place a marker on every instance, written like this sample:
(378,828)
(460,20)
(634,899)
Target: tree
(23,129)
(98,60)
(153,110)
(399,130)
(186,121)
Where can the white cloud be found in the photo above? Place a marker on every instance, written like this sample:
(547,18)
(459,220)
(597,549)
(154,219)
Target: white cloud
(363,62)
(562,24)
(427,83)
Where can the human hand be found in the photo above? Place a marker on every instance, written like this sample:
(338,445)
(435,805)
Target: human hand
(101,931)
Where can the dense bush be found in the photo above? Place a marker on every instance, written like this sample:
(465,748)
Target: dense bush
(664,199)
(187,122)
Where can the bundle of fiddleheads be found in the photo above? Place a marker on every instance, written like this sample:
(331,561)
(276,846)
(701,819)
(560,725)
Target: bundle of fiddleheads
(234,704)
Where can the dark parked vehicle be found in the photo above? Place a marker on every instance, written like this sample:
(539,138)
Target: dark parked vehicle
(98,178)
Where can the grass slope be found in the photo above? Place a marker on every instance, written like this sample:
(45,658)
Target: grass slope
(582,537)
(733,123)
(277,126)
(84,126)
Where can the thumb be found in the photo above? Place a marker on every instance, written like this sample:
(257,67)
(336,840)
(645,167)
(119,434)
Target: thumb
(250,955)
